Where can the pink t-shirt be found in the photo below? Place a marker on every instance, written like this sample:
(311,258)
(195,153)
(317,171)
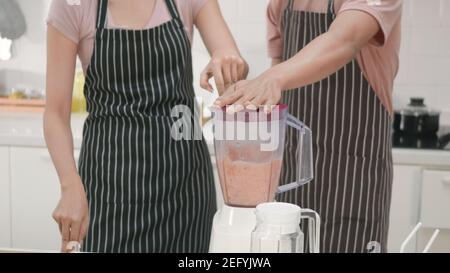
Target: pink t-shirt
(379,60)
(77,22)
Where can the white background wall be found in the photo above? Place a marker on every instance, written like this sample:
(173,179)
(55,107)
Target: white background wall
(29,51)
(425,54)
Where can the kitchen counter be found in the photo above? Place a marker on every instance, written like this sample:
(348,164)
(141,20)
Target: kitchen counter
(25,129)
(421,157)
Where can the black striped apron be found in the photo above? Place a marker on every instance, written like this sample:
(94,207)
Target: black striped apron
(147,192)
(352,146)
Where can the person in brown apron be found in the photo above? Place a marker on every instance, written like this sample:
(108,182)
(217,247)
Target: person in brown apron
(351,126)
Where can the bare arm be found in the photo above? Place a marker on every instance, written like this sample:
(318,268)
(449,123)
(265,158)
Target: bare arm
(214,31)
(71,212)
(326,54)
(227,65)
(61,57)
(351,31)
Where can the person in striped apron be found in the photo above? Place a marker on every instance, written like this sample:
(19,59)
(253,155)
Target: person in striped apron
(336,61)
(138,187)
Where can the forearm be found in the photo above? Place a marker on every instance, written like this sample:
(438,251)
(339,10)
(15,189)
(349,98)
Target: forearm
(61,57)
(320,58)
(215,33)
(328,52)
(220,42)
(58,136)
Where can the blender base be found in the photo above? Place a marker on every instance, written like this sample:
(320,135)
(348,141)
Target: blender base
(232,229)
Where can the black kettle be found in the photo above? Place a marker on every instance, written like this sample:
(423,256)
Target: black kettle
(416,119)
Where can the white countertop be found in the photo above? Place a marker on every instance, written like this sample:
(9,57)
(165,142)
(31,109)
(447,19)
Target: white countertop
(23,129)
(26,129)
(422,157)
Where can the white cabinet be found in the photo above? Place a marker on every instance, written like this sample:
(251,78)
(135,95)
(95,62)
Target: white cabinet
(405,206)
(435,211)
(34,195)
(5,209)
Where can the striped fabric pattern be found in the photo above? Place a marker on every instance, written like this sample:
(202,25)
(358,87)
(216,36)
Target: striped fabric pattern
(352,146)
(147,192)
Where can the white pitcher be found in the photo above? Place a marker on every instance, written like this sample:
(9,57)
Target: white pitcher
(278,229)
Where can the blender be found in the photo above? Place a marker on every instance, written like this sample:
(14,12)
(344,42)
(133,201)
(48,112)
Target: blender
(249,148)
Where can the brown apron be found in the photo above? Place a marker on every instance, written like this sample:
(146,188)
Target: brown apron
(352,146)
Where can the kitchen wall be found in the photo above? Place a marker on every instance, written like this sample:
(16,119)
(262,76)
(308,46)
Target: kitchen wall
(247,21)
(27,65)
(425,53)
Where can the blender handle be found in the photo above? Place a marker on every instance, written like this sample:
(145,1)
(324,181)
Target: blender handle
(293,185)
(313,229)
(297,124)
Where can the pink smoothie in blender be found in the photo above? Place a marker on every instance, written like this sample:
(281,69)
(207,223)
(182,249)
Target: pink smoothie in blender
(247,184)
(249,174)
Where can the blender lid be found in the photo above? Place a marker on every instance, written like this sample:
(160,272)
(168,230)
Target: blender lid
(279,112)
(278,213)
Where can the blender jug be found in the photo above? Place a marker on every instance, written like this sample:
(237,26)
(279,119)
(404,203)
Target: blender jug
(249,148)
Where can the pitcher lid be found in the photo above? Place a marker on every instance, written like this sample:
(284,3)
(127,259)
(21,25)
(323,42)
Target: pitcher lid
(278,213)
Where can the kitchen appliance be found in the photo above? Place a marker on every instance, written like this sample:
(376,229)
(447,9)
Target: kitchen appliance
(249,148)
(278,229)
(437,141)
(416,119)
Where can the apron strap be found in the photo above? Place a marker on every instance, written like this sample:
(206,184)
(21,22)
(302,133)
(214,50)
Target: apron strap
(330,9)
(172,9)
(102,9)
(290,5)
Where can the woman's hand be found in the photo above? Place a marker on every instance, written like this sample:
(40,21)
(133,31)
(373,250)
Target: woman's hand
(71,214)
(264,91)
(226,65)
(226,68)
